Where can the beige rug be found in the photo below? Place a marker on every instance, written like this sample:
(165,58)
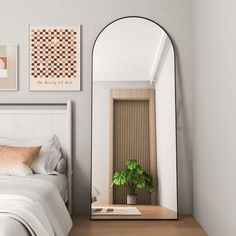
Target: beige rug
(115,211)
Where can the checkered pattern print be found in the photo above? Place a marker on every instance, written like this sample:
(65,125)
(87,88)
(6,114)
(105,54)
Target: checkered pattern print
(53,52)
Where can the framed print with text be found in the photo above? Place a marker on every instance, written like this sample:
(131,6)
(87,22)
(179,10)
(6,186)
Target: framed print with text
(54,58)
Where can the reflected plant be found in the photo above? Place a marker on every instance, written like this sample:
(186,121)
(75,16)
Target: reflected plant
(134,177)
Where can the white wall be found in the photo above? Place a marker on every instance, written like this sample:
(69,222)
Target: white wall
(166,136)
(173,15)
(214,116)
(100,144)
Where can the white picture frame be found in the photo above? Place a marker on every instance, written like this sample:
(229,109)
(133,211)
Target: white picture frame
(9,75)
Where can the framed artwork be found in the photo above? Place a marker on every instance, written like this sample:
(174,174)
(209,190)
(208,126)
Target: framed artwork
(8,67)
(54,58)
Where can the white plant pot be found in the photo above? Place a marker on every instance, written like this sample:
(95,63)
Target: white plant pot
(131,199)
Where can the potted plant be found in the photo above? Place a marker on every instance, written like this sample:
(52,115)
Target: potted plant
(133,177)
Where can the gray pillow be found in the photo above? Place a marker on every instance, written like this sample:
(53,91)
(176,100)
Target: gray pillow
(61,166)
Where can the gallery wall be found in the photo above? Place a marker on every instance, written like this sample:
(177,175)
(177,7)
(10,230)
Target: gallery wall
(214,116)
(174,16)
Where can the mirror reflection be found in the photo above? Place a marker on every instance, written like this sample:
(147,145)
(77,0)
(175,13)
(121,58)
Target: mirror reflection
(134,130)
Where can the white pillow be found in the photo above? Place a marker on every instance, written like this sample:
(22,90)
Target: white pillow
(61,166)
(48,158)
(49,154)
(46,162)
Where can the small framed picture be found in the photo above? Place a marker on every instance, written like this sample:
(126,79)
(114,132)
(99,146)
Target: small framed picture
(54,58)
(8,67)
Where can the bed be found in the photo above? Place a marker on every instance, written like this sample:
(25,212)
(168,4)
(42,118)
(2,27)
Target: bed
(49,190)
(37,204)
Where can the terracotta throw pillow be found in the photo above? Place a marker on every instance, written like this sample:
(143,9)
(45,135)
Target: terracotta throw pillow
(17,160)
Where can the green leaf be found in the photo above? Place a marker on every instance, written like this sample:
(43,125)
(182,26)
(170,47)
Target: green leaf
(147,177)
(139,170)
(120,177)
(149,188)
(140,182)
(132,164)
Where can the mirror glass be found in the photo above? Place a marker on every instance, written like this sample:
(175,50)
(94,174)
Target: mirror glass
(134,123)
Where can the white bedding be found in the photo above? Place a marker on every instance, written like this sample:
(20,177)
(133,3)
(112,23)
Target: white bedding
(60,181)
(9,227)
(34,204)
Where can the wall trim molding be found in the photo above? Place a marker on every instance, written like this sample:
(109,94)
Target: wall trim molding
(160,57)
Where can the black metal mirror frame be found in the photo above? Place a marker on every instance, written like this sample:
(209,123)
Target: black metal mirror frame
(175,64)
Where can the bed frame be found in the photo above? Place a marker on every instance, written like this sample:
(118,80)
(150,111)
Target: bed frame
(37,120)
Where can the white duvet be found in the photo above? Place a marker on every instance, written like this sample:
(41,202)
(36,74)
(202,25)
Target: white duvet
(34,203)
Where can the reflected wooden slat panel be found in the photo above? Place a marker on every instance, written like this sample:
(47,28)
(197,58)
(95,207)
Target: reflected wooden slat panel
(131,141)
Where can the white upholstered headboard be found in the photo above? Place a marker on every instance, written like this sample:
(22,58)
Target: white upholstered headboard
(38,120)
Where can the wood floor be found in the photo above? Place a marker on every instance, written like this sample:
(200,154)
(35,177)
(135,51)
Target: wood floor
(185,226)
(148,212)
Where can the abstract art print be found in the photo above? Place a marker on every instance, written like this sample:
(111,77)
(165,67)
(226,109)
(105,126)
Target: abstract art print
(3,67)
(8,67)
(54,58)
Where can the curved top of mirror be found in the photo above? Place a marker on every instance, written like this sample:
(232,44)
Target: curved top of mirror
(129,49)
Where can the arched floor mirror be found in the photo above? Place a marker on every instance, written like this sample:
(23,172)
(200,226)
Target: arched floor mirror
(134,156)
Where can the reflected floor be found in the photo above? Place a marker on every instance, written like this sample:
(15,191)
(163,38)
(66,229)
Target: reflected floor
(136,212)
